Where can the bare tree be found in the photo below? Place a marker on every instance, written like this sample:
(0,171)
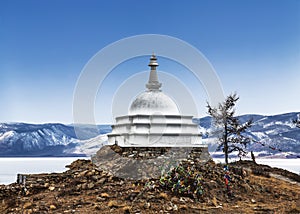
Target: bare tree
(232,136)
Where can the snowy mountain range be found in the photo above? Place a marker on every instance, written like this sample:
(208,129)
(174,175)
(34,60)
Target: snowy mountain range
(53,139)
(272,135)
(275,134)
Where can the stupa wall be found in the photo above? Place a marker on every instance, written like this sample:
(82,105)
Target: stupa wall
(175,119)
(156,140)
(155,129)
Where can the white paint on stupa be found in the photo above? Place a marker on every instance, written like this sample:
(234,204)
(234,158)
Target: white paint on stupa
(154,120)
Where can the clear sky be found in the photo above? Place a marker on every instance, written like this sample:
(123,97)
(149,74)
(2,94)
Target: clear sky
(254,46)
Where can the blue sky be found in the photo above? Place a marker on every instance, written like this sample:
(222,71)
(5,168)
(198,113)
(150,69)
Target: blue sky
(254,47)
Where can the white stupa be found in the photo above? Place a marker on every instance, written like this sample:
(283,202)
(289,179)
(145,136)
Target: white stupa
(154,120)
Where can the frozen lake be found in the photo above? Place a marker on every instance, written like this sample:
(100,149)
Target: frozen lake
(292,165)
(10,167)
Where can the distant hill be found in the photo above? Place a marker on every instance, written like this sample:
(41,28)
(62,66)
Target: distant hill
(54,139)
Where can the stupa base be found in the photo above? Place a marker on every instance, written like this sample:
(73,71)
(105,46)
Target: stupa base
(189,153)
(146,162)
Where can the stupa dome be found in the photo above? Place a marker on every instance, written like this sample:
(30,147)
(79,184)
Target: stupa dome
(153,102)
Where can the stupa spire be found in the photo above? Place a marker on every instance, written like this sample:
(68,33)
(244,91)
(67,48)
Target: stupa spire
(153,83)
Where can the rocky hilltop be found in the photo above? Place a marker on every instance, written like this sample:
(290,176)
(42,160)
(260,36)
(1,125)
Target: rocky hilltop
(190,187)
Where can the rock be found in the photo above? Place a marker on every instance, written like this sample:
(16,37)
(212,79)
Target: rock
(185,200)
(214,201)
(52,207)
(82,174)
(100,199)
(113,203)
(253,201)
(27,205)
(101,181)
(247,187)
(78,187)
(104,195)
(147,205)
(51,188)
(84,186)
(126,210)
(163,195)
(175,207)
(90,173)
(95,178)
(84,180)
(183,207)
(175,200)
(97,207)
(29,211)
(90,185)
(169,208)
(110,178)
